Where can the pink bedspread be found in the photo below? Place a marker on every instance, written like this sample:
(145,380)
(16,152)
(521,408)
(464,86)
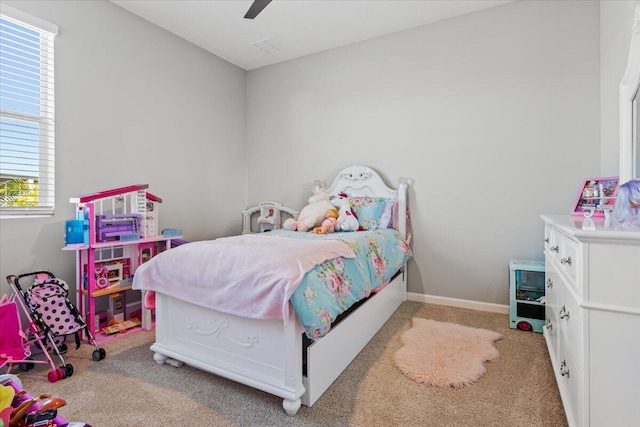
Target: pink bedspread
(252,275)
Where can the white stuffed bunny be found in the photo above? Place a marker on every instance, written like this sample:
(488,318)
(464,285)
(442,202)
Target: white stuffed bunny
(313,214)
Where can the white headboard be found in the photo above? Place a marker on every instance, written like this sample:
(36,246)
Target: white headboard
(361,181)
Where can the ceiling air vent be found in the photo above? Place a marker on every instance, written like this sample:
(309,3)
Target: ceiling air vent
(272,46)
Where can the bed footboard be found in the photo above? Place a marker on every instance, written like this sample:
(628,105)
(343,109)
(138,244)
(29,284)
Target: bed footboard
(266,354)
(263,354)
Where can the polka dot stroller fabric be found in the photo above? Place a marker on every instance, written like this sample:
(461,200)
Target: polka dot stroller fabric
(52,317)
(48,297)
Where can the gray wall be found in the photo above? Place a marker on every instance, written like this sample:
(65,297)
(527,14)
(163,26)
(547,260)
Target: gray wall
(495,115)
(135,104)
(616,21)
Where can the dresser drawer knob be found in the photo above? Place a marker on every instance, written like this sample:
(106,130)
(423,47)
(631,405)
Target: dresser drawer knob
(548,325)
(564,371)
(549,283)
(554,248)
(546,240)
(564,314)
(566,260)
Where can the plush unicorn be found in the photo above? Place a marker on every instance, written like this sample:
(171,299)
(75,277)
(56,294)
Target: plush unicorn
(347,221)
(312,214)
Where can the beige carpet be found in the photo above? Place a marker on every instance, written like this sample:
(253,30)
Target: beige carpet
(445,354)
(129,389)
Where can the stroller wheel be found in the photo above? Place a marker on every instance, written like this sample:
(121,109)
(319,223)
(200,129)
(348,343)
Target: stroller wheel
(62,374)
(95,355)
(24,367)
(68,369)
(53,376)
(103,353)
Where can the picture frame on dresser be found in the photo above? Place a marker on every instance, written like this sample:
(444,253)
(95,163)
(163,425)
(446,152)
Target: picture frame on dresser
(596,197)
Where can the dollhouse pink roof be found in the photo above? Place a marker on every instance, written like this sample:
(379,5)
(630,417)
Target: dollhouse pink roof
(116,191)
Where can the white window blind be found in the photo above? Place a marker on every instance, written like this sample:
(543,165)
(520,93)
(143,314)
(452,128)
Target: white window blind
(27,179)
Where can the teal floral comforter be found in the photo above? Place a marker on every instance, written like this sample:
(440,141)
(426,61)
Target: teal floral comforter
(332,287)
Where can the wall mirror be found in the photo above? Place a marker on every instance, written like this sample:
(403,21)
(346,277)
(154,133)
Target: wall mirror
(630,108)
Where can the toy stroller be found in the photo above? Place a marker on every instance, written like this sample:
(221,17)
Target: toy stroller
(15,346)
(52,317)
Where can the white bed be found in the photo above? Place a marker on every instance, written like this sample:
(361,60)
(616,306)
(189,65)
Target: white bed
(268,354)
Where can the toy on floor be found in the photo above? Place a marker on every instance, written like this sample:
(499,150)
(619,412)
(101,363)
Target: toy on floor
(347,221)
(312,214)
(116,326)
(7,393)
(47,295)
(27,411)
(16,343)
(329,224)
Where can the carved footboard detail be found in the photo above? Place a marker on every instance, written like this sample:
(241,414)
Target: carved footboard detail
(218,326)
(252,341)
(264,354)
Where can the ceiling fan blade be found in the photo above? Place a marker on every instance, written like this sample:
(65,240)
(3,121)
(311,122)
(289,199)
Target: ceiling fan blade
(256,8)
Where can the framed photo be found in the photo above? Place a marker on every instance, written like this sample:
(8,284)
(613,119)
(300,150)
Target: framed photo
(596,197)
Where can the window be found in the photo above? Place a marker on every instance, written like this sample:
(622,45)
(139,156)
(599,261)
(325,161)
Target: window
(26,114)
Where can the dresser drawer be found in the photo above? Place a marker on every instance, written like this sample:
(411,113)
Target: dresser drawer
(565,251)
(569,379)
(570,259)
(552,285)
(566,254)
(569,321)
(551,243)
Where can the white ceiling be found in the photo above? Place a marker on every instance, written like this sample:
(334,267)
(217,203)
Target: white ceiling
(297,27)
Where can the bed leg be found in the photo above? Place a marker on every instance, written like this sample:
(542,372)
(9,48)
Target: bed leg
(291,406)
(175,363)
(159,358)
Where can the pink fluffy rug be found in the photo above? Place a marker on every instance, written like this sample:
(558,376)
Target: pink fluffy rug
(445,354)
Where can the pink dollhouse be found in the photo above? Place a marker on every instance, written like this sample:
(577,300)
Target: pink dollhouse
(114,232)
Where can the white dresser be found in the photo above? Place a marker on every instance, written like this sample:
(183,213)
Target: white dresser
(592,324)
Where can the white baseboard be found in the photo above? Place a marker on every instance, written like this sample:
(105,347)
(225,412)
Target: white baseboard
(461,303)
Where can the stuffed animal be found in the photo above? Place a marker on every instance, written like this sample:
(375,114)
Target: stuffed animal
(347,221)
(313,214)
(7,394)
(626,209)
(329,223)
